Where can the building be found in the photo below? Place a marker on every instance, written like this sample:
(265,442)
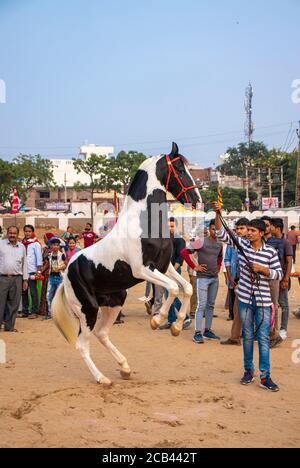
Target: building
(64,172)
(203,177)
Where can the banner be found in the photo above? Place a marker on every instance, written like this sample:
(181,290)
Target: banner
(270,203)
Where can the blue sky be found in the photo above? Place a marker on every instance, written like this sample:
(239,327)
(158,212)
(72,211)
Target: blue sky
(139,74)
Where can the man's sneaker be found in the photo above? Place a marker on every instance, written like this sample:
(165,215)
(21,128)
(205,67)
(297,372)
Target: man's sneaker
(198,338)
(283,334)
(187,322)
(209,334)
(276,342)
(231,342)
(248,378)
(268,384)
(165,326)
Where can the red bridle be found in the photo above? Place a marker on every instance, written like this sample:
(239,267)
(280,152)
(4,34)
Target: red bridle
(172,170)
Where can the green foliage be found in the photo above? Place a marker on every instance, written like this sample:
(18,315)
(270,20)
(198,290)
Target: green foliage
(125,166)
(233,199)
(25,172)
(258,156)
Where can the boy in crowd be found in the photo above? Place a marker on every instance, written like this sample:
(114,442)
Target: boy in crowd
(89,237)
(285,254)
(34,259)
(209,263)
(177,261)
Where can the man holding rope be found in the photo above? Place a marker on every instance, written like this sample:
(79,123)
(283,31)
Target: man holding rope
(259,263)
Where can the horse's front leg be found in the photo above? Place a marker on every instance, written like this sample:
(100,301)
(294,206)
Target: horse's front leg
(158,278)
(187,294)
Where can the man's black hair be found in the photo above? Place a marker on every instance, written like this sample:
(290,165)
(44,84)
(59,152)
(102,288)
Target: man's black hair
(212,223)
(29,226)
(277,223)
(242,222)
(293,228)
(15,227)
(266,218)
(258,224)
(173,220)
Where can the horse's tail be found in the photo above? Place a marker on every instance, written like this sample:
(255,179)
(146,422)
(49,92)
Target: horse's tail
(65,320)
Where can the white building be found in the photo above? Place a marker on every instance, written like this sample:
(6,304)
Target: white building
(64,172)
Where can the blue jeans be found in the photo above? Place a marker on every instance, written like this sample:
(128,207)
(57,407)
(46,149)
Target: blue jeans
(207,290)
(284,303)
(53,283)
(260,317)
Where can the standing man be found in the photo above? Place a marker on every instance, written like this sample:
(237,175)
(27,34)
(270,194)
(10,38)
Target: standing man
(294,240)
(34,266)
(254,296)
(233,275)
(277,244)
(88,235)
(209,263)
(13,276)
(177,261)
(286,260)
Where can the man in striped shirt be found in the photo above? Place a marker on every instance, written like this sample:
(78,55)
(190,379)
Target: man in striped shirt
(261,266)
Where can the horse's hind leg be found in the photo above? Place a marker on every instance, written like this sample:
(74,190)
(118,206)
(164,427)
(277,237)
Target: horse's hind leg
(83,346)
(104,323)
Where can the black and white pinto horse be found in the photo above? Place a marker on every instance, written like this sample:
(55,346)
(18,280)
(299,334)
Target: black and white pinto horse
(98,277)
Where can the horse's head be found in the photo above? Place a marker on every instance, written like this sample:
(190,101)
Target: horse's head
(172,171)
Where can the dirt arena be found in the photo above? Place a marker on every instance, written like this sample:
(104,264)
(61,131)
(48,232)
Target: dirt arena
(180,395)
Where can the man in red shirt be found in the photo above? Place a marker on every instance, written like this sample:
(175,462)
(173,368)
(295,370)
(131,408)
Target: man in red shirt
(294,240)
(88,235)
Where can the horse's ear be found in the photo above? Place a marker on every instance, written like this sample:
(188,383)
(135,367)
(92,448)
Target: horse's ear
(175,149)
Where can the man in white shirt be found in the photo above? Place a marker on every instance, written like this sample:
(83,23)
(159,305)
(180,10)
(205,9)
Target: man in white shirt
(13,276)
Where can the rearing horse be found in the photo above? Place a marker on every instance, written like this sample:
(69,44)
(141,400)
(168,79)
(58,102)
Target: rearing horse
(99,276)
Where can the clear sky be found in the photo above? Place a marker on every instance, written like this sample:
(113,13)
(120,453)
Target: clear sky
(137,74)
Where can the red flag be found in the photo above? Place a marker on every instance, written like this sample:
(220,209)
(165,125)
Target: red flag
(15,202)
(116,204)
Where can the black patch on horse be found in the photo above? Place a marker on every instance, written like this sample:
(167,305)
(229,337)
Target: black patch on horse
(157,246)
(138,187)
(97,286)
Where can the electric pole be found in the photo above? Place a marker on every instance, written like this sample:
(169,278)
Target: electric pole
(297,200)
(249,129)
(65,184)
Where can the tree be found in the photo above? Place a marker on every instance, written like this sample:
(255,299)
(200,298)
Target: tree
(7,180)
(238,156)
(25,172)
(233,199)
(260,157)
(32,171)
(102,174)
(125,166)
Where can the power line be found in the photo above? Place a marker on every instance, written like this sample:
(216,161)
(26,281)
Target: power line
(238,132)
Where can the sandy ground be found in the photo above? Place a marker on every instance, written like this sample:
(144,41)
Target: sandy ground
(180,395)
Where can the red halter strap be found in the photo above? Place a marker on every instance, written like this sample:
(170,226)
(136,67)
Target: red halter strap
(172,170)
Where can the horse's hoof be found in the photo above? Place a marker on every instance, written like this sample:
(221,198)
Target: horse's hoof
(105,382)
(175,330)
(125,374)
(154,324)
